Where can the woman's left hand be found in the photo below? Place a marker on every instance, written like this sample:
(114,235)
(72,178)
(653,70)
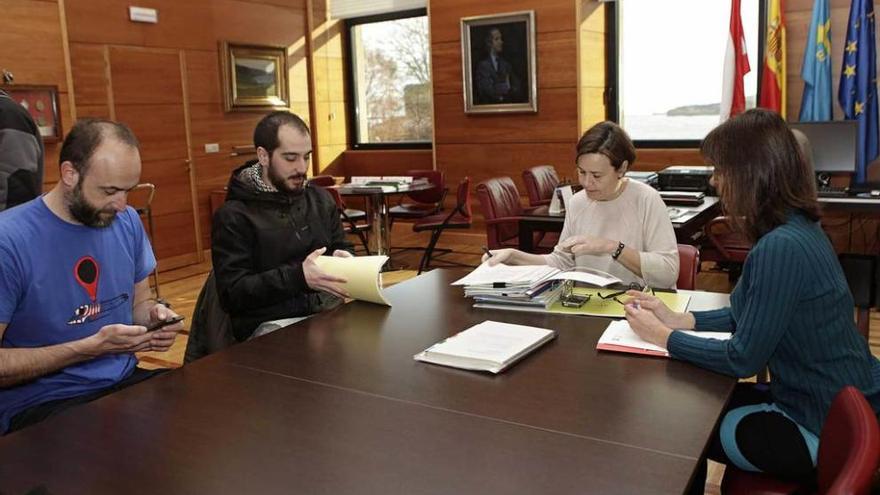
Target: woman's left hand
(585,244)
(646,324)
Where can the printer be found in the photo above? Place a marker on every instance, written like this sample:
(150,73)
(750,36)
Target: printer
(686,178)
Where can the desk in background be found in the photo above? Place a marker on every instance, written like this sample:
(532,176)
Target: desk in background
(336,404)
(688,222)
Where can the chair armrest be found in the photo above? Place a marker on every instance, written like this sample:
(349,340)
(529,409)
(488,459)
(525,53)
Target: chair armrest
(496,221)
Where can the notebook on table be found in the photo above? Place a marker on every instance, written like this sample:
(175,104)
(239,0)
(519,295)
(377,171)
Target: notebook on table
(619,337)
(488,346)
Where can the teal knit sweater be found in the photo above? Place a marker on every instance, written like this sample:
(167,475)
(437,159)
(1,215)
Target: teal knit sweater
(791,311)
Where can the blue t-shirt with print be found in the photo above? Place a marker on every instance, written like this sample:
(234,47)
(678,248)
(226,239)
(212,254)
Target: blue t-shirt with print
(61,282)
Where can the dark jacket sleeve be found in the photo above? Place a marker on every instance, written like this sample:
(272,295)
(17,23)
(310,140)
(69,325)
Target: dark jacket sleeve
(240,287)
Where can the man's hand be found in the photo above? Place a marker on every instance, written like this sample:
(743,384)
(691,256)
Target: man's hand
(586,244)
(341,253)
(116,338)
(317,279)
(162,339)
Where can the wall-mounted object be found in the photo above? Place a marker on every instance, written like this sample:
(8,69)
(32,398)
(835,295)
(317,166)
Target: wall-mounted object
(42,103)
(243,149)
(254,77)
(143,14)
(498,63)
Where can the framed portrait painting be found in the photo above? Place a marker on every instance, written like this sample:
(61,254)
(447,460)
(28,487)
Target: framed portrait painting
(254,77)
(42,103)
(498,63)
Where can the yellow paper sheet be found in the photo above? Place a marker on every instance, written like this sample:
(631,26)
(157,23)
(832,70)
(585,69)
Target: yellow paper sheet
(597,306)
(362,273)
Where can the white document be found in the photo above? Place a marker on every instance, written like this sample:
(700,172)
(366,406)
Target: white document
(488,346)
(361,180)
(556,206)
(619,336)
(507,274)
(362,273)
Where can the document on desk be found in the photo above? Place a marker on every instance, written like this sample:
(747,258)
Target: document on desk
(600,302)
(362,273)
(508,275)
(488,346)
(619,337)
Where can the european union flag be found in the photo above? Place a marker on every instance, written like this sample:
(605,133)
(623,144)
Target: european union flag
(858,82)
(816,72)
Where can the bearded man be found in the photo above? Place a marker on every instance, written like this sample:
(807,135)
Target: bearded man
(266,236)
(75,302)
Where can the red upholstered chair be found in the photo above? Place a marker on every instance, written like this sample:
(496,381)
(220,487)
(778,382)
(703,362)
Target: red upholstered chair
(419,204)
(499,201)
(540,182)
(849,454)
(726,246)
(322,181)
(458,218)
(688,266)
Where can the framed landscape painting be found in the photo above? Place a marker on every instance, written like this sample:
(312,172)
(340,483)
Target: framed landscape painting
(254,77)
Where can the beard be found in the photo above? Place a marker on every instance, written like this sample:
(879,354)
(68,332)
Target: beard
(86,213)
(284,185)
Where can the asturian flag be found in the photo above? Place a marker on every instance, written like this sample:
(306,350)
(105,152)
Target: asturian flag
(816,72)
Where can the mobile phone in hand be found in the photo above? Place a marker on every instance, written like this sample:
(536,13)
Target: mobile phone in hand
(163,323)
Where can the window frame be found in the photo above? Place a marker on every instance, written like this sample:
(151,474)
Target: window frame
(352,104)
(612,74)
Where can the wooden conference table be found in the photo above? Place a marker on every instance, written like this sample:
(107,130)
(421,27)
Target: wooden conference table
(336,404)
(688,222)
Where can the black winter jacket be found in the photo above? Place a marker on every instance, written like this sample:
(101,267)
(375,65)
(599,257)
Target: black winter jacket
(258,242)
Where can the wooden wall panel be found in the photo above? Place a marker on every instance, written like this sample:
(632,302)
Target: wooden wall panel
(384,162)
(90,69)
(484,146)
(32,48)
(658,159)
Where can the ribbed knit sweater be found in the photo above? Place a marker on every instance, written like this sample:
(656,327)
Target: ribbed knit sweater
(793,312)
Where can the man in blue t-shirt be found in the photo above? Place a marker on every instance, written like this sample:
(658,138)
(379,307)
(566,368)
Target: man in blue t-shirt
(74,296)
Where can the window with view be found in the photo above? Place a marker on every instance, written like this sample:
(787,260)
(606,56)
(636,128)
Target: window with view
(391,81)
(670,63)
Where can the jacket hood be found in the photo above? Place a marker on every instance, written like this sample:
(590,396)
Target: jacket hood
(242,189)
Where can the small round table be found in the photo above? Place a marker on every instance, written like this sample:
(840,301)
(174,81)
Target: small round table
(380,242)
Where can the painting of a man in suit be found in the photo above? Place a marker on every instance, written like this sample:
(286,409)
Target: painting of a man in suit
(497,82)
(499,54)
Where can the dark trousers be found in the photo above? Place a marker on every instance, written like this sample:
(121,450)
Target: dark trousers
(42,411)
(768,440)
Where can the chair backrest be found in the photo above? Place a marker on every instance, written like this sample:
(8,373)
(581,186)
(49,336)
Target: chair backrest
(540,182)
(688,266)
(498,199)
(141,197)
(849,448)
(323,181)
(428,196)
(732,245)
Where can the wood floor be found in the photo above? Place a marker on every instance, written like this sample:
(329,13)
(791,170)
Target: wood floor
(181,287)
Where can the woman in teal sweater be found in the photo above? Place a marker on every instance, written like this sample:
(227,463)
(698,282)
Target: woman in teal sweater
(791,310)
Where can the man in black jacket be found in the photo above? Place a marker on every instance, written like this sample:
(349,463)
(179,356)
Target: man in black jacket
(273,225)
(21,154)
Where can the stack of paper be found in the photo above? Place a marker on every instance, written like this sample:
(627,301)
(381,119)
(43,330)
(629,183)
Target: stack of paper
(620,337)
(535,286)
(488,346)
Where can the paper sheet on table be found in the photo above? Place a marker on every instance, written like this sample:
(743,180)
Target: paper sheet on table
(362,273)
(506,274)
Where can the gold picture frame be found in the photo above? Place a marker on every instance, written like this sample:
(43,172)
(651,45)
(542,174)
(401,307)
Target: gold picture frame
(254,77)
(498,63)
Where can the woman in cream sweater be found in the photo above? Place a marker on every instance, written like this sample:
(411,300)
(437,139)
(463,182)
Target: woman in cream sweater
(615,224)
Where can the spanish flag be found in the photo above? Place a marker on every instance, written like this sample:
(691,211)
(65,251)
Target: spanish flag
(773,78)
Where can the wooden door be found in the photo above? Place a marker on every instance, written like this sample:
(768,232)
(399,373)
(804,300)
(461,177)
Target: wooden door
(147,95)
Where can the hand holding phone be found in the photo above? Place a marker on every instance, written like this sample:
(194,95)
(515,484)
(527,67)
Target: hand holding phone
(163,323)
